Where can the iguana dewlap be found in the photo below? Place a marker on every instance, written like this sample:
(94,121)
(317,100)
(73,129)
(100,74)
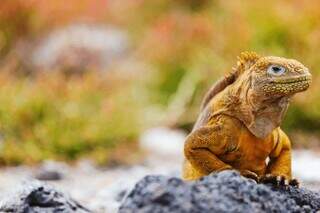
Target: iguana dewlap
(238,127)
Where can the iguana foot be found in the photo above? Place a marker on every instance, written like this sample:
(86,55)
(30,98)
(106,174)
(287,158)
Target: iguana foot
(250,175)
(294,182)
(279,180)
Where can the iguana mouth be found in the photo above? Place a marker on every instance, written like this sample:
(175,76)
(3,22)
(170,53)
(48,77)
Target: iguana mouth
(286,86)
(291,79)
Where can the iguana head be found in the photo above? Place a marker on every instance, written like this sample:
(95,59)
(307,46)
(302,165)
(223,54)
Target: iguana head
(273,77)
(260,93)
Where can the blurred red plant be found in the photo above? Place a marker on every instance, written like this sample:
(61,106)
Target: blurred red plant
(175,34)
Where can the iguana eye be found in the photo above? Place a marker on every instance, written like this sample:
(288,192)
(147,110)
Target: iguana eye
(276,70)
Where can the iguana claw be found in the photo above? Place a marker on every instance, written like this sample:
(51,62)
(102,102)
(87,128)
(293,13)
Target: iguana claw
(294,182)
(279,180)
(250,175)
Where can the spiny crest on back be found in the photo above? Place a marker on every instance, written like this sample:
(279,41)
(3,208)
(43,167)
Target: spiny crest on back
(245,61)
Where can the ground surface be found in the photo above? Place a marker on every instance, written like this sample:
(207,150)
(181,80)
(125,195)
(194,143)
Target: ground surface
(225,191)
(101,190)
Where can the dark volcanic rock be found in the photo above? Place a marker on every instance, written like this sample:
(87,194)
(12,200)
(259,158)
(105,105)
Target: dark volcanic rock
(222,192)
(51,171)
(48,175)
(36,197)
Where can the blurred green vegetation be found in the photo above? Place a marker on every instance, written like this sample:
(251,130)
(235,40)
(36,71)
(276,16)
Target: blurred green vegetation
(50,117)
(186,45)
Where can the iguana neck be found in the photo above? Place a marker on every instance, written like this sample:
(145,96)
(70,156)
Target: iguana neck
(260,115)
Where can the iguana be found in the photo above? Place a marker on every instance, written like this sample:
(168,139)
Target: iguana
(238,127)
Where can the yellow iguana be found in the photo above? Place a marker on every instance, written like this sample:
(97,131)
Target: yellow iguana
(238,127)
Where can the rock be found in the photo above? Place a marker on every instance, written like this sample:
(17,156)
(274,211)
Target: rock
(80,46)
(48,175)
(51,171)
(35,197)
(226,191)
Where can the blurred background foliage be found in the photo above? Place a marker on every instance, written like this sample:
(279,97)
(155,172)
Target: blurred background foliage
(83,78)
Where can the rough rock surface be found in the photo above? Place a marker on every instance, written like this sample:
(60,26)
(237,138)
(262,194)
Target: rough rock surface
(223,192)
(36,197)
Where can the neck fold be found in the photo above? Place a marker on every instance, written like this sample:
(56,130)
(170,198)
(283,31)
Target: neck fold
(260,116)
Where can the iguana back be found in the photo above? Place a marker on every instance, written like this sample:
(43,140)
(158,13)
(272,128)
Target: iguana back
(245,60)
(217,87)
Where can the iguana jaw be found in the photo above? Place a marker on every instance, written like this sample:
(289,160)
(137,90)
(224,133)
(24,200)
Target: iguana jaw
(287,85)
(263,103)
(292,79)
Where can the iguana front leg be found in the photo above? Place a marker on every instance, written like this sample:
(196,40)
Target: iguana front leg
(279,167)
(202,148)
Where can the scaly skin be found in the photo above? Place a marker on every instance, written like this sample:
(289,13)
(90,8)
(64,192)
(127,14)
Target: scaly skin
(238,127)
